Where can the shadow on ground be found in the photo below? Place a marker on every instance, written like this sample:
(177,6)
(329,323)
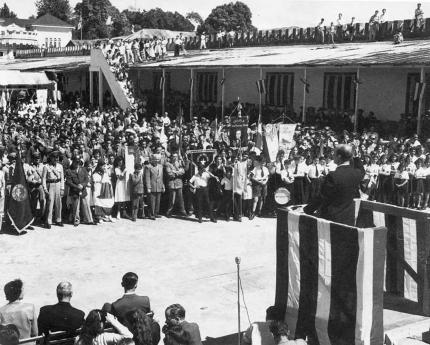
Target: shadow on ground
(400,304)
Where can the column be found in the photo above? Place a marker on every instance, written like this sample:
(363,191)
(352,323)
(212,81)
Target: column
(101,89)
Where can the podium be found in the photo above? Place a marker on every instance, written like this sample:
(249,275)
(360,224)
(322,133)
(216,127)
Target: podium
(330,278)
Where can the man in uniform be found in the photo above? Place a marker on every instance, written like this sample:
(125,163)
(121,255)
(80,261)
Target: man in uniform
(53,185)
(37,194)
(175,171)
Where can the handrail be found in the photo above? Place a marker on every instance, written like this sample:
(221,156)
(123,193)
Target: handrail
(57,334)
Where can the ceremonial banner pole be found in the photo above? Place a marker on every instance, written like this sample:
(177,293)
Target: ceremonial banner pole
(357,83)
(261,78)
(237,260)
(304,96)
(222,94)
(163,93)
(420,102)
(191,92)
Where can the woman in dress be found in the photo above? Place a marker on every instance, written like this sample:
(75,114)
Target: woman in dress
(93,330)
(401,184)
(103,192)
(419,178)
(122,194)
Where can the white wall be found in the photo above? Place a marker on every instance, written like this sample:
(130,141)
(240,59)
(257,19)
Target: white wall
(60,34)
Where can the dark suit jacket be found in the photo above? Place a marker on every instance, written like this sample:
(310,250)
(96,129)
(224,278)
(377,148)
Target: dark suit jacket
(154,178)
(336,201)
(192,329)
(73,179)
(128,303)
(59,317)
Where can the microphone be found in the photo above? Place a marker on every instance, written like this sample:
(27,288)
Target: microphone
(237,260)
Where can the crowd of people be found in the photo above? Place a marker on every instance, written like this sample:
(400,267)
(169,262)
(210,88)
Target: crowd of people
(88,166)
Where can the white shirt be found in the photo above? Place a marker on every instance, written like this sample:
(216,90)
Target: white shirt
(226,182)
(200,181)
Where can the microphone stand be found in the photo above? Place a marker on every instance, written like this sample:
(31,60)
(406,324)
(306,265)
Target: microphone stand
(237,260)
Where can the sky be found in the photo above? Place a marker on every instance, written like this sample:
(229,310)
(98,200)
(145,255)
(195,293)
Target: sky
(280,13)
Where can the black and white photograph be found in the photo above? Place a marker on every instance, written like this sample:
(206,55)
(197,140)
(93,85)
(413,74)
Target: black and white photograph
(214,172)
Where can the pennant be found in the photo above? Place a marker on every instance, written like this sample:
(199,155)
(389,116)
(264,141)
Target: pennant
(19,209)
(80,23)
(259,138)
(356,82)
(261,86)
(307,85)
(222,81)
(191,83)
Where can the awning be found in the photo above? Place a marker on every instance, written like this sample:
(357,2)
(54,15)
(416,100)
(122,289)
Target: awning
(150,33)
(16,79)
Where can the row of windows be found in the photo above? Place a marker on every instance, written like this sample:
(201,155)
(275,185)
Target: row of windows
(52,42)
(338,93)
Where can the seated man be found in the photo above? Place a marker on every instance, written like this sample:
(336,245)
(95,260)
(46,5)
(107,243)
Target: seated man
(130,300)
(61,316)
(259,333)
(179,331)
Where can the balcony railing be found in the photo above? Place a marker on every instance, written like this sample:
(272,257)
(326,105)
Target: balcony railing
(52,52)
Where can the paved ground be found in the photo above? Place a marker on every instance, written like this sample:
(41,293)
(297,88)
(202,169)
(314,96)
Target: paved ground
(177,261)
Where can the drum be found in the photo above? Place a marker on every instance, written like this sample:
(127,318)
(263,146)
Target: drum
(282,196)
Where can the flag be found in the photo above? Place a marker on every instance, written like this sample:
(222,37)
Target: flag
(259,137)
(307,85)
(222,81)
(261,86)
(162,81)
(330,280)
(419,89)
(18,205)
(191,83)
(109,20)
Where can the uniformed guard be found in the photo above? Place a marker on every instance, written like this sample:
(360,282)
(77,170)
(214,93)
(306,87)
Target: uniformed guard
(37,193)
(53,185)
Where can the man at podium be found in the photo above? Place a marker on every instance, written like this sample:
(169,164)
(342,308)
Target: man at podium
(336,200)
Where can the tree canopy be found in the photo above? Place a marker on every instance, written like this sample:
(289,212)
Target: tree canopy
(6,12)
(158,19)
(232,16)
(58,8)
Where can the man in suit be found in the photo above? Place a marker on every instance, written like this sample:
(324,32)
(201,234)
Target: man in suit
(336,200)
(77,180)
(177,327)
(130,301)
(154,184)
(61,316)
(175,171)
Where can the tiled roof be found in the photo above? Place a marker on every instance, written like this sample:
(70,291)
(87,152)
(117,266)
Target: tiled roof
(50,20)
(20,22)
(409,53)
(47,63)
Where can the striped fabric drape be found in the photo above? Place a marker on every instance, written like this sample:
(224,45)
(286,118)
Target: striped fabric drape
(207,87)
(279,89)
(330,280)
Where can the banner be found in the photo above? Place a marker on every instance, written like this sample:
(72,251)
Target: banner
(286,137)
(239,130)
(204,156)
(272,141)
(42,98)
(18,205)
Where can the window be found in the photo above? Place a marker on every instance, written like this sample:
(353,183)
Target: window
(55,43)
(279,89)
(50,42)
(46,42)
(59,43)
(207,87)
(157,80)
(339,91)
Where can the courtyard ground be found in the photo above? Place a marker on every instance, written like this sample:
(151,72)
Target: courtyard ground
(178,261)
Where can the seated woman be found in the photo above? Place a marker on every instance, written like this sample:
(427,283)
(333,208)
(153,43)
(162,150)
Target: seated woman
(93,330)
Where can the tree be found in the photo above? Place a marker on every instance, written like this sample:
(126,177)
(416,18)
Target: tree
(232,16)
(94,16)
(5,12)
(57,8)
(158,19)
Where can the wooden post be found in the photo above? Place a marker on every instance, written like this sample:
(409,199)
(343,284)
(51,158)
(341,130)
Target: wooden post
(191,92)
(420,103)
(304,97)
(222,95)
(357,86)
(260,103)
(91,87)
(163,94)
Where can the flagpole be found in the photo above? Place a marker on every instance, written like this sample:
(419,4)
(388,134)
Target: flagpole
(260,104)
(356,100)
(304,96)
(420,102)
(222,94)
(191,92)
(163,93)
